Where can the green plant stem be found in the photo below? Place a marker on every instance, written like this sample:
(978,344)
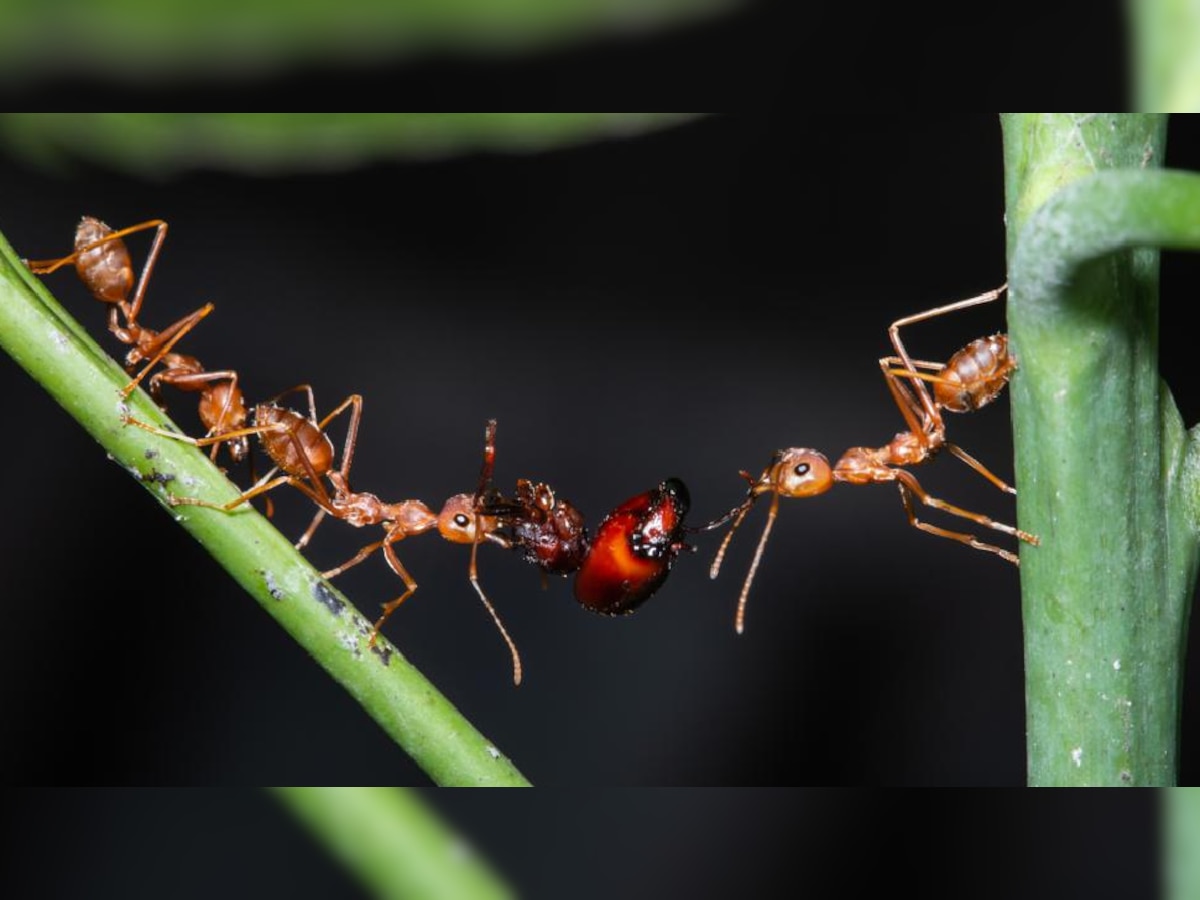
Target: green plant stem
(1106,473)
(396,846)
(46,341)
(1181,833)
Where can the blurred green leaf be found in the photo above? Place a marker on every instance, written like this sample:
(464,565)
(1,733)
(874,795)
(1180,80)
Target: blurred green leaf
(1165,46)
(130,39)
(270,143)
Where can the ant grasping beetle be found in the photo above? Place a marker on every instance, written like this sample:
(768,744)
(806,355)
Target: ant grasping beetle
(972,378)
(103,264)
(633,550)
(628,560)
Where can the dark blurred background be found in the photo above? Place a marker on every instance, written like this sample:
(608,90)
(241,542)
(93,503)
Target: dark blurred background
(679,303)
(593,844)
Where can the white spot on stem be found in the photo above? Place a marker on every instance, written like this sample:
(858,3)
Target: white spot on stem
(1077,756)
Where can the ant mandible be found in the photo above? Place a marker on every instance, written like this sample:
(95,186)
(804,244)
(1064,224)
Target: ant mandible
(969,380)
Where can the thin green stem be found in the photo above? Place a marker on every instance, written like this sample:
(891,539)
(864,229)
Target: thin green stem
(394,844)
(46,341)
(1103,463)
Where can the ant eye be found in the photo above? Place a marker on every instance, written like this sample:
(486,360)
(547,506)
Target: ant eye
(802,469)
(461,520)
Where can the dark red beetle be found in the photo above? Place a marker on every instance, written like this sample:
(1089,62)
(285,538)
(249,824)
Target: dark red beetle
(633,550)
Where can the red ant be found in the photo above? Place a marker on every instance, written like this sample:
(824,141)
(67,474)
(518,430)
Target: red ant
(301,449)
(972,378)
(103,264)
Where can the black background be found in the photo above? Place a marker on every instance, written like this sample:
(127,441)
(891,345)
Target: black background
(678,304)
(675,304)
(589,844)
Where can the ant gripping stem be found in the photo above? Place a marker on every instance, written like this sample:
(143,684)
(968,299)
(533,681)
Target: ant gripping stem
(972,378)
(103,264)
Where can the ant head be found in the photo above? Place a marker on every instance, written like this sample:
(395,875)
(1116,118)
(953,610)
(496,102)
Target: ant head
(796,472)
(458,521)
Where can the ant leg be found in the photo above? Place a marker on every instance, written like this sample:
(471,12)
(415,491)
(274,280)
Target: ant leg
(894,328)
(163,343)
(206,441)
(968,539)
(909,487)
(916,406)
(922,369)
(216,441)
(409,583)
(296,388)
(245,497)
(353,402)
(980,468)
(160,235)
(310,530)
(354,560)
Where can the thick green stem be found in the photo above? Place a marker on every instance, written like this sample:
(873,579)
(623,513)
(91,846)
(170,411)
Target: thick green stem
(46,341)
(394,844)
(1181,837)
(1105,470)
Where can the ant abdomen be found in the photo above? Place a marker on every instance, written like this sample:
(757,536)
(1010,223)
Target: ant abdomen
(294,443)
(105,268)
(975,375)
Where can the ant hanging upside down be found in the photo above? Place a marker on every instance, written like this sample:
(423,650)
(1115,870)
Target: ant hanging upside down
(972,378)
(103,264)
